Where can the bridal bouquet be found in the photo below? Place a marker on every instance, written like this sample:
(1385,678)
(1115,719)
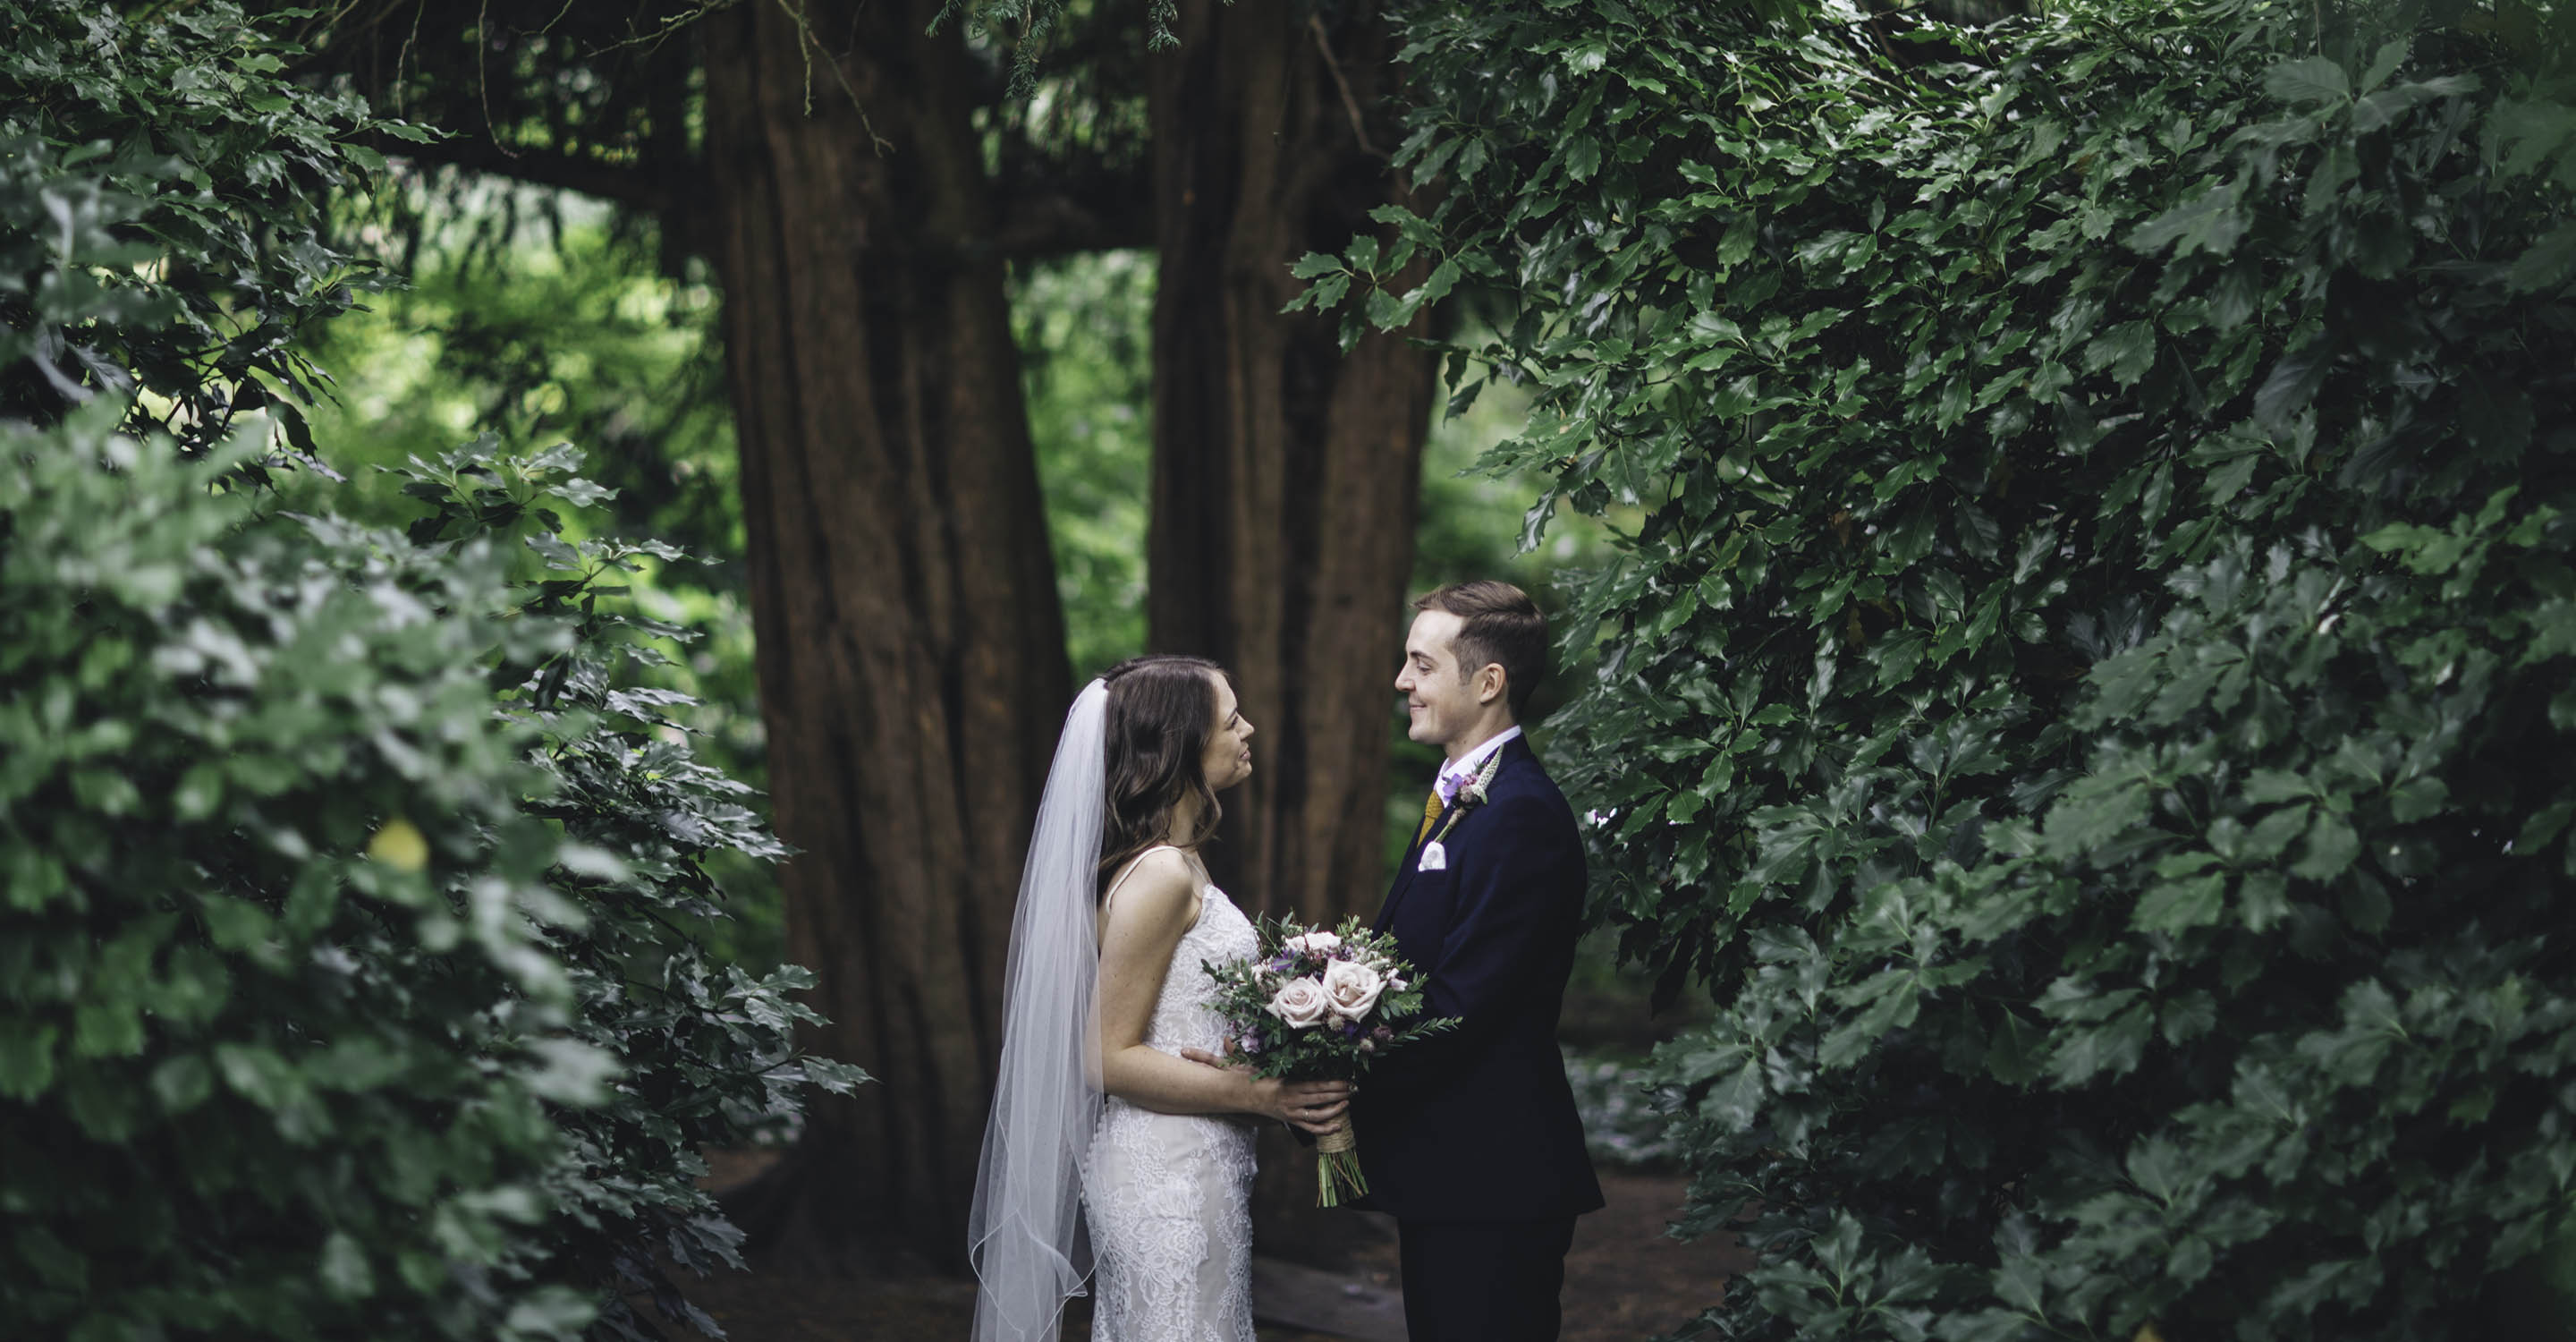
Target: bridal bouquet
(1321,1006)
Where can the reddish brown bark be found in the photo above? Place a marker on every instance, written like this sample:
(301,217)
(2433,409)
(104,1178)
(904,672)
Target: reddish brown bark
(911,646)
(1286,472)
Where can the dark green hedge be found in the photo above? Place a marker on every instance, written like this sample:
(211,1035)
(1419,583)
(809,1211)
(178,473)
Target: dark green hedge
(342,991)
(2089,688)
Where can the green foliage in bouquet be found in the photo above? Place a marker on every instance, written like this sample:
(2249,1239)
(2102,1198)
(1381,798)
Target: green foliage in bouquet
(1322,1005)
(337,991)
(2090,696)
(1335,1044)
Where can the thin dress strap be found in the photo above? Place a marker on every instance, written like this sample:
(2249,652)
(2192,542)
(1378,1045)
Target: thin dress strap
(1130,870)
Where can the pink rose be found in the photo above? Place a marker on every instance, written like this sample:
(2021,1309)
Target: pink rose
(1352,988)
(1301,1003)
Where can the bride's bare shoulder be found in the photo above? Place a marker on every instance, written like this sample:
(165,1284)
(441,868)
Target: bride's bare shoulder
(1159,892)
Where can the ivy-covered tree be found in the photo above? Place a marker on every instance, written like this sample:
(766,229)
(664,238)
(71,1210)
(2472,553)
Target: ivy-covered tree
(2089,696)
(338,983)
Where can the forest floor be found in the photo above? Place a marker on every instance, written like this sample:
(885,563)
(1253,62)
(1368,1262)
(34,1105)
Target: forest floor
(1625,1280)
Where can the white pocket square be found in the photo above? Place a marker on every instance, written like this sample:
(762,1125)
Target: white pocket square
(1434,857)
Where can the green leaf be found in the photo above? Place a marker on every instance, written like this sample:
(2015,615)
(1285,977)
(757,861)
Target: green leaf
(2126,349)
(182,1083)
(2313,79)
(2331,847)
(839,1078)
(1735,1101)
(2211,222)
(2385,63)
(1582,157)
(2546,264)
(2291,385)
(26,1057)
(2174,906)
(2263,900)
(257,1074)
(2418,799)
(344,1270)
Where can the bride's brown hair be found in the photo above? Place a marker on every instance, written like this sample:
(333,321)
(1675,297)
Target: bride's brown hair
(1162,709)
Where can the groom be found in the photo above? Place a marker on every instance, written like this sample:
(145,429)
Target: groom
(1470,1139)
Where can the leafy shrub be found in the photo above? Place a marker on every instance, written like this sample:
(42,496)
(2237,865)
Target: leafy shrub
(273,1007)
(2090,694)
(337,982)
(218,168)
(704,1053)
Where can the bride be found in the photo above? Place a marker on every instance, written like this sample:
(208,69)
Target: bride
(1098,1124)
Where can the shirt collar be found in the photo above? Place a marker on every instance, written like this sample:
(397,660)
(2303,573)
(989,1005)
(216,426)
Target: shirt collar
(1455,774)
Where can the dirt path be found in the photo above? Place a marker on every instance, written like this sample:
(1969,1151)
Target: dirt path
(1624,1281)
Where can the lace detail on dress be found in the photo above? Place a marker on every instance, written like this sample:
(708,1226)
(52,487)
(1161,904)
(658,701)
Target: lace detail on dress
(1169,1196)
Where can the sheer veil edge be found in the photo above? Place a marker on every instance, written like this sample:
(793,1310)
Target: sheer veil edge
(1025,1231)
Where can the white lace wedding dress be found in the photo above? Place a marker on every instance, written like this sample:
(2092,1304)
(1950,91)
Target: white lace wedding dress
(1168,1196)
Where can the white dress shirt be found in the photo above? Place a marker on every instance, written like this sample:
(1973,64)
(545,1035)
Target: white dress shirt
(1455,774)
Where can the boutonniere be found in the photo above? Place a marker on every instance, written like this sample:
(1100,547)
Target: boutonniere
(1470,795)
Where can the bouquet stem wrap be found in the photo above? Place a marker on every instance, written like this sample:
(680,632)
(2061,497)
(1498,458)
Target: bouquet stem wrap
(1337,1167)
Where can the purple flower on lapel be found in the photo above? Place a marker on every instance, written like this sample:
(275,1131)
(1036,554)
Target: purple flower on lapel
(1470,795)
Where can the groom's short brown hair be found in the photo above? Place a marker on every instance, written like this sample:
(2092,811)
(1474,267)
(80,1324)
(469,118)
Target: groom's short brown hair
(1503,626)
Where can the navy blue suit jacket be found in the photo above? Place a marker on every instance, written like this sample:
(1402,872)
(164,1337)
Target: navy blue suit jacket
(1478,1124)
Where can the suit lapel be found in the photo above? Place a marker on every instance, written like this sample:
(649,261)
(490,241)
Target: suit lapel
(1404,871)
(1512,750)
(1395,892)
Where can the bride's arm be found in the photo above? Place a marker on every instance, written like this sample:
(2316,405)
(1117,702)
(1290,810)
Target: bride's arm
(1146,921)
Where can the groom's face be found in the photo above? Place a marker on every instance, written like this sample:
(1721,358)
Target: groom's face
(1438,701)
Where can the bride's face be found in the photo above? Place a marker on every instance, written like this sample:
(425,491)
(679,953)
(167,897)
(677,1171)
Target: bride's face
(1228,760)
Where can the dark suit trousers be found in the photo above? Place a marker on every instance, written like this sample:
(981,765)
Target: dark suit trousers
(1483,1281)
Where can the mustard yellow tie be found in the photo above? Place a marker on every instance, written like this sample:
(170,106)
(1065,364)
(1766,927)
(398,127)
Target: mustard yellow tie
(1430,817)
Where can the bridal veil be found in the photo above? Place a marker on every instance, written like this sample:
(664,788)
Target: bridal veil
(1025,1233)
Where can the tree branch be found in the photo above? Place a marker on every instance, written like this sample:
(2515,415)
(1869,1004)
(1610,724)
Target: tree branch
(633,186)
(1350,105)
(1041,224)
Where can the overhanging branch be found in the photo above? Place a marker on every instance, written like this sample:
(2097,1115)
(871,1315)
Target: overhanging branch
(1036,226)
(633,186)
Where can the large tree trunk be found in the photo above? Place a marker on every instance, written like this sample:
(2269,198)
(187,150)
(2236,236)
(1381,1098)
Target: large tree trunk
(1286,473)
(911,646)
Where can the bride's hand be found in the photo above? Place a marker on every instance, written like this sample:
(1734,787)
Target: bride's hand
(1206,1059)
(1316,1106)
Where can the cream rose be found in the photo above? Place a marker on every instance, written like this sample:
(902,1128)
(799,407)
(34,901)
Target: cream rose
(1312,943)
(1301,1002)
(1352,987)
